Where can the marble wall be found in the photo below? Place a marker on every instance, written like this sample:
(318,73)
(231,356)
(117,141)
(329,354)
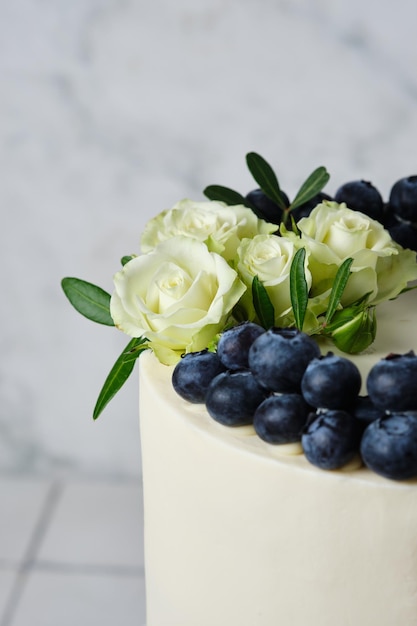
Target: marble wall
(112,110)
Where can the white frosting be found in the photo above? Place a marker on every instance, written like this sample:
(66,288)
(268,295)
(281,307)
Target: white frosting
(237,534)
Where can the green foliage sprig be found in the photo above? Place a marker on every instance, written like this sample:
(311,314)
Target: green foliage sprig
(268,182)
(94,303)
(352,328)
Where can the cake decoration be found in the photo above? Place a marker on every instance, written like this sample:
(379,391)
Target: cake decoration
(311,269)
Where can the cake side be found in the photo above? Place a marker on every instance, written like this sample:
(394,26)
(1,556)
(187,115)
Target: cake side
(235,534)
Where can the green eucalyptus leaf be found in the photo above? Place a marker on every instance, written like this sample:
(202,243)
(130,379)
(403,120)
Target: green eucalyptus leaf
(298,288)
(265,177)
(224,194)
(119,373)
(262,303)
(88,299)
(339,285)
(311,187)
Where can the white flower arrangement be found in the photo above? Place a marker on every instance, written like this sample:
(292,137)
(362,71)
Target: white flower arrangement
(205,266)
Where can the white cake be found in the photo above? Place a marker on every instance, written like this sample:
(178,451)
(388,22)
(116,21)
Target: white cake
(237,534)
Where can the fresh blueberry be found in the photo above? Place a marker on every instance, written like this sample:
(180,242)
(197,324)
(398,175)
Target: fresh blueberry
(391,382)
(403,199)
(278,358)
(362,196)
(281,418)
(193,374)
(233,397)
(389,446)
(331,439)
(305,209)
(365,412)
(234,343)
(266,208)
(405,234)
(331,382)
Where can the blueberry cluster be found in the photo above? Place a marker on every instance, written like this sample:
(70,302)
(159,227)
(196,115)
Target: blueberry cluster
(398,215)
(278,381)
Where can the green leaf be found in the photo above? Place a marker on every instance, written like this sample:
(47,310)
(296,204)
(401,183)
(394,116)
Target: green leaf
(298,288)
(265,177)
(262,303)
(140,344)
(339,285)
(88,299)
(311,187)
(119,373)
(224,194)
(125,259)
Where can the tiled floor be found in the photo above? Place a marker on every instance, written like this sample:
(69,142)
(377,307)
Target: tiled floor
(71,553)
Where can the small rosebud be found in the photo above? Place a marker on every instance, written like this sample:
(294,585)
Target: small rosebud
(357,333)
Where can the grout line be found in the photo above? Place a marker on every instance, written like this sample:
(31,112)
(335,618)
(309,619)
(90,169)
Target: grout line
(35,541)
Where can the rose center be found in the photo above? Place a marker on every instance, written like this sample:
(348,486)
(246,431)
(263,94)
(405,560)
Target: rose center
(347,236)
(170,284)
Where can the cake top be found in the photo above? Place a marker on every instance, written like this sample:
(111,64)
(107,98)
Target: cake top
(317,266)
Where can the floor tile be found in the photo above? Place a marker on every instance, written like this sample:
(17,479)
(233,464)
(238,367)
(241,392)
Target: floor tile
(96,524)
(7,580)
(63,599)
(22,502)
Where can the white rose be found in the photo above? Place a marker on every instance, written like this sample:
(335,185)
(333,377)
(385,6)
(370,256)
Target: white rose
(220,226)
(269,257)
(178,296)
(380,267)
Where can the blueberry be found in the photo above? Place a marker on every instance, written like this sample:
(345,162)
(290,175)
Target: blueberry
(331,382)
(266,208)
(389,446)
(403,199)
(234,343)
(405,234)
(331,439)
(305,209)
(193,374)
(365,412)
(391,382)
(281,419)
(233,397)
(278,358)
(362,196)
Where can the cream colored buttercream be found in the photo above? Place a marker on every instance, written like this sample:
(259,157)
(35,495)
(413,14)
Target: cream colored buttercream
(237,534)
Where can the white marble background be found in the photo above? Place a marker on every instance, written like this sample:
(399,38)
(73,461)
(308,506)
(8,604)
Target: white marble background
(112,110)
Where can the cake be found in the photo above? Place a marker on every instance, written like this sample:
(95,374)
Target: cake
(237,533)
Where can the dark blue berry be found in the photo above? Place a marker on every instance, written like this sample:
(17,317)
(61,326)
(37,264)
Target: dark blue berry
(389,446)
(266,208)
(281,418)
(193,374)
(392,382)
(361,195)
(278,358)
(365,412)
(331,382)
(233,397)
(403,199)
(234,343)
(404,234)
(305,209)
(331,439)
